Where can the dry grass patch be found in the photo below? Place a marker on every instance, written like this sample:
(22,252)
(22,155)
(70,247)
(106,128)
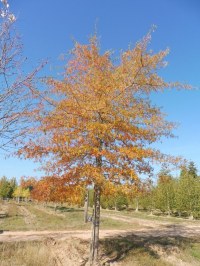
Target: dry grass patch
(26,254)
(14,219)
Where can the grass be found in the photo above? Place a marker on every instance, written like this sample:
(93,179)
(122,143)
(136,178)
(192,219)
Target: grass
(192,252)
(147,216)
(72,219)
(14,220)
(110,224)
(26,254)
(195,251)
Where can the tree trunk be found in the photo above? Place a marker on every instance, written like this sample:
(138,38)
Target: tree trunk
(168,206)
(86,207)
(137,204)
(151,213)
(168,209)
(115,205)
(94,245)
(191,217)
(95,228)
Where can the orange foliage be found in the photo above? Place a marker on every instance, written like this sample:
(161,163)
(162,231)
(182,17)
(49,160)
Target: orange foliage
(55,189)
(28,182)
(100,124)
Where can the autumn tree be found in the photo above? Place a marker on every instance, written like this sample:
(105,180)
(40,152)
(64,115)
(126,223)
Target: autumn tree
(55,189)
(135,191)
(113,196)
(28,182)
(21,193)
(99,123)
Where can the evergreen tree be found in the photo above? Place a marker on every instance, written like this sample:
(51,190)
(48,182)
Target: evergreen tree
(192,170)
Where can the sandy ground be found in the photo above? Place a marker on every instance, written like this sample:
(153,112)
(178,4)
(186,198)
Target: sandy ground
(147,228)
(71,248)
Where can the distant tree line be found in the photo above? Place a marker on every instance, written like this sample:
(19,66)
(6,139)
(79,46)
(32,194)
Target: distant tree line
(10,189)
(171,196)
(177,196)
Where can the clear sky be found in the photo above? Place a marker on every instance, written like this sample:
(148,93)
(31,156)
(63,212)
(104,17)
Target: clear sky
(48,27)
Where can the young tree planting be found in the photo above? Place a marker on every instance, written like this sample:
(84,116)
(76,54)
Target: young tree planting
(187,193)
(99,123)
(165,192)
(136,191)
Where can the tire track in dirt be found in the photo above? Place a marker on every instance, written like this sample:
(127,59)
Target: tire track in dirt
(29,218)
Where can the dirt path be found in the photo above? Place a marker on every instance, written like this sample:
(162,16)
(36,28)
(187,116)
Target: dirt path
(167,231)
(8,236)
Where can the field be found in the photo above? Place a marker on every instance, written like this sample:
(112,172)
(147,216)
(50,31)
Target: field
(33,234)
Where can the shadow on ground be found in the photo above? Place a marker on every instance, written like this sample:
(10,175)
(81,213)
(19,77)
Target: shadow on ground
(153,245)
(66,209)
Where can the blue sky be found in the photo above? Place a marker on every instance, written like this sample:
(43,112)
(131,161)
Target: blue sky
(48,27)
